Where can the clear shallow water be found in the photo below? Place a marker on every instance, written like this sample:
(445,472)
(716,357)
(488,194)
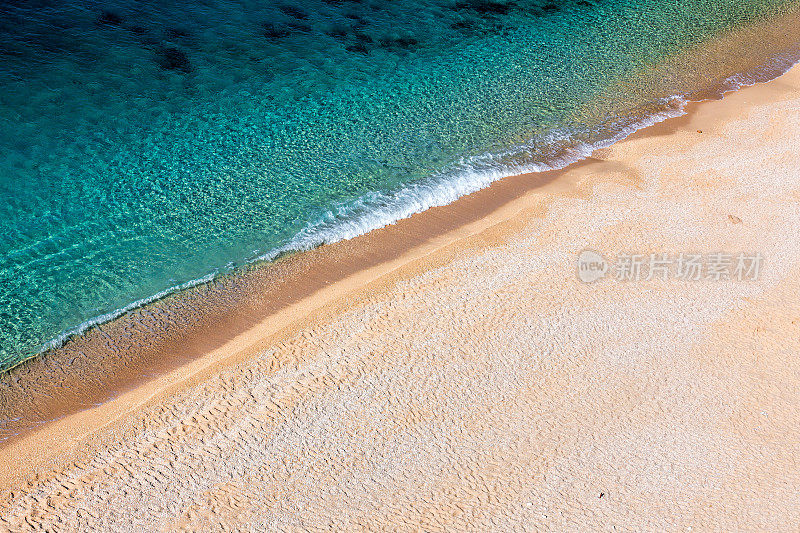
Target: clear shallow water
(145,146)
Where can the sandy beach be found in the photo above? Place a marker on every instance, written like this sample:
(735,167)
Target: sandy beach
(473,382)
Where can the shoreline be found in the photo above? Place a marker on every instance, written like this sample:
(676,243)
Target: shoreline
(273,292)
(677,409)
(147,344)
(364,266)
(772,55)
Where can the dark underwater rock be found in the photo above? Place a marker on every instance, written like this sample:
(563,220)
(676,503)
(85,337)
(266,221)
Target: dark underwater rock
(272,32)
(406,42)
(358,48)
(356,17)
(109,18)
(171,58)
(401,44)
(176,33)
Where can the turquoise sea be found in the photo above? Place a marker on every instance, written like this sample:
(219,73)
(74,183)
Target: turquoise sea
(147,146)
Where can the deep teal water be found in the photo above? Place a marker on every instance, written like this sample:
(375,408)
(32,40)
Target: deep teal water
(144,146)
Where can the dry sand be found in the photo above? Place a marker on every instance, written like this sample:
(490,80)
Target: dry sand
(475,383)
